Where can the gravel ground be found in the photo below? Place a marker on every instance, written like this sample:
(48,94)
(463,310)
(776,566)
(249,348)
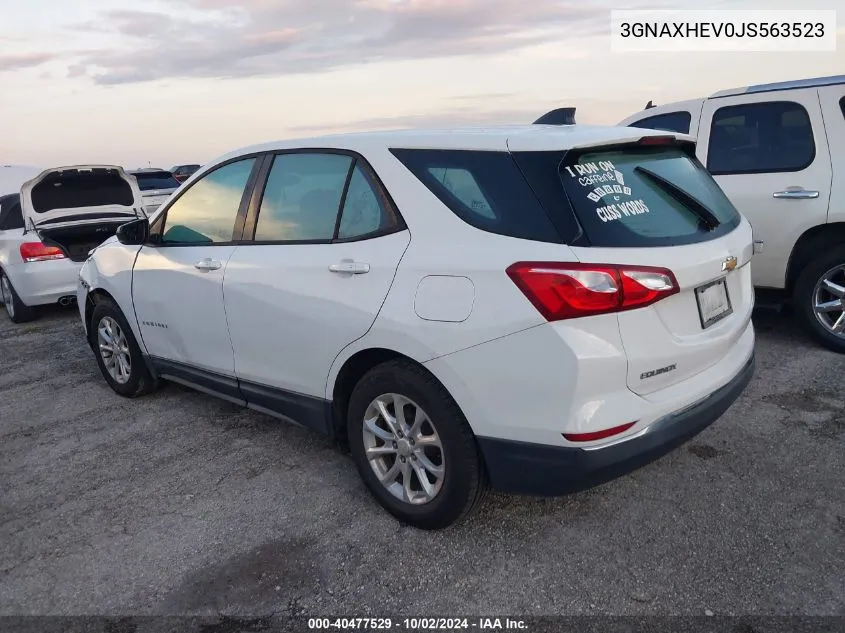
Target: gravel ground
(182,504)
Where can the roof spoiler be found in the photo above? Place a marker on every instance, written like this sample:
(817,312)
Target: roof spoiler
(649,105)
(560,116)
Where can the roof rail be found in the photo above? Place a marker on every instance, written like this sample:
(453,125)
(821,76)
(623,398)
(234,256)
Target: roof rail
(560,116)
(814,82)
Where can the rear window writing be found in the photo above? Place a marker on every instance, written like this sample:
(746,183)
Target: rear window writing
(646,197)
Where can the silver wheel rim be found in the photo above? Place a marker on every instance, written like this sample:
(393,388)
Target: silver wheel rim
(404,449)
(829,301)
(6,289)
(114,350)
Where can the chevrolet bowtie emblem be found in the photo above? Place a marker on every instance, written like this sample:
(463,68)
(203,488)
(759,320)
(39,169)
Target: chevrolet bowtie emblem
(729,264)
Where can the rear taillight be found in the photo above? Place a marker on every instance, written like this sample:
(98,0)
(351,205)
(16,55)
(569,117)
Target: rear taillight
(38,252)
(568,290)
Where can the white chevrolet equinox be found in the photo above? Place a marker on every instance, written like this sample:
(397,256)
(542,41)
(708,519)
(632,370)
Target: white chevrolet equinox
(536,309)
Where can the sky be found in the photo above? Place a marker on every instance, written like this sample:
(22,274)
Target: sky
(163,82)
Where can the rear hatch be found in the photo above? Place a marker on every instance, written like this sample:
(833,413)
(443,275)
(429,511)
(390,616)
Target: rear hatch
(84,194)
(653,221)
(156,187)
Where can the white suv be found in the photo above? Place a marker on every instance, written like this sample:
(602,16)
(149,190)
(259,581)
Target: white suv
(778,152)
(537,307)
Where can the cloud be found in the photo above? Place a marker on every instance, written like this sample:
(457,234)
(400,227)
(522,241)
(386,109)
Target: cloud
(24,60)
(222,38)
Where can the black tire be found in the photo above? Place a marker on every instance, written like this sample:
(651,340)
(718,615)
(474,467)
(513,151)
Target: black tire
(140,380)
(803,299)
(464,480)
(16,309)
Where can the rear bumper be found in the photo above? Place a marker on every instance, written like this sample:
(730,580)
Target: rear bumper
(42,283)
(537,469)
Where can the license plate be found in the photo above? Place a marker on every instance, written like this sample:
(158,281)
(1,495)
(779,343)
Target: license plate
(714,304)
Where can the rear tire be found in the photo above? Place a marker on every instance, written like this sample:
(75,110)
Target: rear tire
(434,438)
(817,301)
(15,309)
(117,352)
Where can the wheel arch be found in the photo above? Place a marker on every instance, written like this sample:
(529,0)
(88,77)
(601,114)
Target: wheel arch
(808,246)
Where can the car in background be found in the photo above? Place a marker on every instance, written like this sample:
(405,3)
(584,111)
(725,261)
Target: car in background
(778,152)
(48,229)
(542,307)
(183,172)
(156,186)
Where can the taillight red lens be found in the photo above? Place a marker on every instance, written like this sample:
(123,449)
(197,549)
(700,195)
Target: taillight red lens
(38,252)
(571,290)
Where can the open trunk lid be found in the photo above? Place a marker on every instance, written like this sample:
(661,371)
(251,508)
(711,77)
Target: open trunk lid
(651,206)
(81,194)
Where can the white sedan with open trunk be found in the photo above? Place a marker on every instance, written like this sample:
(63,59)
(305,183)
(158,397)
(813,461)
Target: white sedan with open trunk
(49,228)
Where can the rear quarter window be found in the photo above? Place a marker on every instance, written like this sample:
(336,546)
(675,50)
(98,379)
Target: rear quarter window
(484,188)
(645,197)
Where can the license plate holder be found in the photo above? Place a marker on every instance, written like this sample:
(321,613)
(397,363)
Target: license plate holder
(714,302)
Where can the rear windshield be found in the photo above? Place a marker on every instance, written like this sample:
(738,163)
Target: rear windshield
(76,189)
(645,196)
(10,212)
(148,181)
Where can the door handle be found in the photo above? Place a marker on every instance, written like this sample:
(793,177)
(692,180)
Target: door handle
(796,193)
(207,264)
(352,268)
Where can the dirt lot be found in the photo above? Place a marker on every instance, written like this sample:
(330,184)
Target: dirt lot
(179,503)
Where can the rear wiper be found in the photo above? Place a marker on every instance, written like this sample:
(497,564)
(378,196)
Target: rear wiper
(693,204)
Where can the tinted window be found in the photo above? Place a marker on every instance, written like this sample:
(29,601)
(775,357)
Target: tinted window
(302,197)
(760,137)
(671,122)
(646,197)
(485,189)
(365,211)
(11,216)
(81,188)
(842,105)
(206,212)
(151,180)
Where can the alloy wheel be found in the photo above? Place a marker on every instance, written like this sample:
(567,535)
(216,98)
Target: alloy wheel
(829,300)
(404,449)
(6,289)
(114,350)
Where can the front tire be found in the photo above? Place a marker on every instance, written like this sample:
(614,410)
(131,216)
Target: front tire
(117,352)
(819,299)
(413,447)
(15,309)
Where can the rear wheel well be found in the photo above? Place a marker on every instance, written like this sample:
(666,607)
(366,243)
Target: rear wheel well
(812,243)
(352,371)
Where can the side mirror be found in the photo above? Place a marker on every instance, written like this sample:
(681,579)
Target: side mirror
(135,232)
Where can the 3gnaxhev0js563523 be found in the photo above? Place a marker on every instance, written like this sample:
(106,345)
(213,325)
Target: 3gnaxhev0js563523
(535,309)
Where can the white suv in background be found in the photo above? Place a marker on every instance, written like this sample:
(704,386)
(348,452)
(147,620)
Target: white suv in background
(778,152)
(537,307)
(48,229)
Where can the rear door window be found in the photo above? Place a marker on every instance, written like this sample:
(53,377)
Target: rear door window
(645,197)
(755,138)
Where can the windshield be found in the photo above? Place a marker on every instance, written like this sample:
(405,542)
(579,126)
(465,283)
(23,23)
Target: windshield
(149,181)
